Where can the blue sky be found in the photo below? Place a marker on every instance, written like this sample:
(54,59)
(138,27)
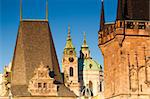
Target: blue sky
(81,15)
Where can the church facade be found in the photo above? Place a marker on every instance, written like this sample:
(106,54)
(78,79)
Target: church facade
(83,75)
(125,45)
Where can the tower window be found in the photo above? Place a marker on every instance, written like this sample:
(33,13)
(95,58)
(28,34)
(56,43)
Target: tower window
(71,59)
(71,52)
(90,65)
(39,85)
(45,85)
(71,71)
(100,87)
(91,85)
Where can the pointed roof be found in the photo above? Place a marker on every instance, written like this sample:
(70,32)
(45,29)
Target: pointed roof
(84,41)
(34,45)
(133,10)
(102,19)
(69,43)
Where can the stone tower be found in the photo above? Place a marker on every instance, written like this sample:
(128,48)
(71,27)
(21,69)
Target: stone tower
(35,68)
(125,45)
(70,65)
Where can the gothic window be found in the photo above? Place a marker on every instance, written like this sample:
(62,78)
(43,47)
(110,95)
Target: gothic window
(141,25)
(91,85)
(130,25)
(133,79)
(71,71)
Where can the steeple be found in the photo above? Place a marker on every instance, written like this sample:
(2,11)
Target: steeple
(69,40)
(84,41)
(102,21)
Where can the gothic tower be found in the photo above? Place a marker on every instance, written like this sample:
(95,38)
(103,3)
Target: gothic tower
(125,45)
(70,65)
(35,68)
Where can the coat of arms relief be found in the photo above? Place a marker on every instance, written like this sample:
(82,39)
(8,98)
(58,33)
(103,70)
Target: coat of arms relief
(41,83)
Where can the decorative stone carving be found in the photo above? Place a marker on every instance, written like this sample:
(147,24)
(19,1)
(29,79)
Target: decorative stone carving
(148,73)
(42,84)
(134,79)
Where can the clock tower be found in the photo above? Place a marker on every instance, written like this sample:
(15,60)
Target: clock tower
(70,65)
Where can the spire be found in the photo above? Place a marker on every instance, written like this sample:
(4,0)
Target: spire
(69,40)
(84,41)
(20,10)
(102,22)
(69,37)
(46,9)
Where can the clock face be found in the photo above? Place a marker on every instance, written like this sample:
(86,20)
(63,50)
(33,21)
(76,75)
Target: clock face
(71,59)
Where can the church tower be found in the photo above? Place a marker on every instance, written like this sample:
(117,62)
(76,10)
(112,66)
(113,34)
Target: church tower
(125,45)
(70,65)
(90,73)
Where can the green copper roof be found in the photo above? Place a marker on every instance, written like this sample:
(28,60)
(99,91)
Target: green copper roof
(90,64)
(69,40)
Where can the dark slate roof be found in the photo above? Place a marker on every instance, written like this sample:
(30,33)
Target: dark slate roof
(102,19)
(34,45)
(133,10)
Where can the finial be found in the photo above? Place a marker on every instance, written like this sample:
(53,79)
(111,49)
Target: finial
(84,42)
(69,37)
(20,10)
(46,9)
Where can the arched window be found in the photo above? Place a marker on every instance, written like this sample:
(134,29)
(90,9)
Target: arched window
(100,86)
(91,85)
(71,71)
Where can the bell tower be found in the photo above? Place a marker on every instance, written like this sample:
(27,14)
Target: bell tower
(70,65)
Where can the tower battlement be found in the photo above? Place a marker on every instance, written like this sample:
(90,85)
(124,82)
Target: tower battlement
(124,28)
